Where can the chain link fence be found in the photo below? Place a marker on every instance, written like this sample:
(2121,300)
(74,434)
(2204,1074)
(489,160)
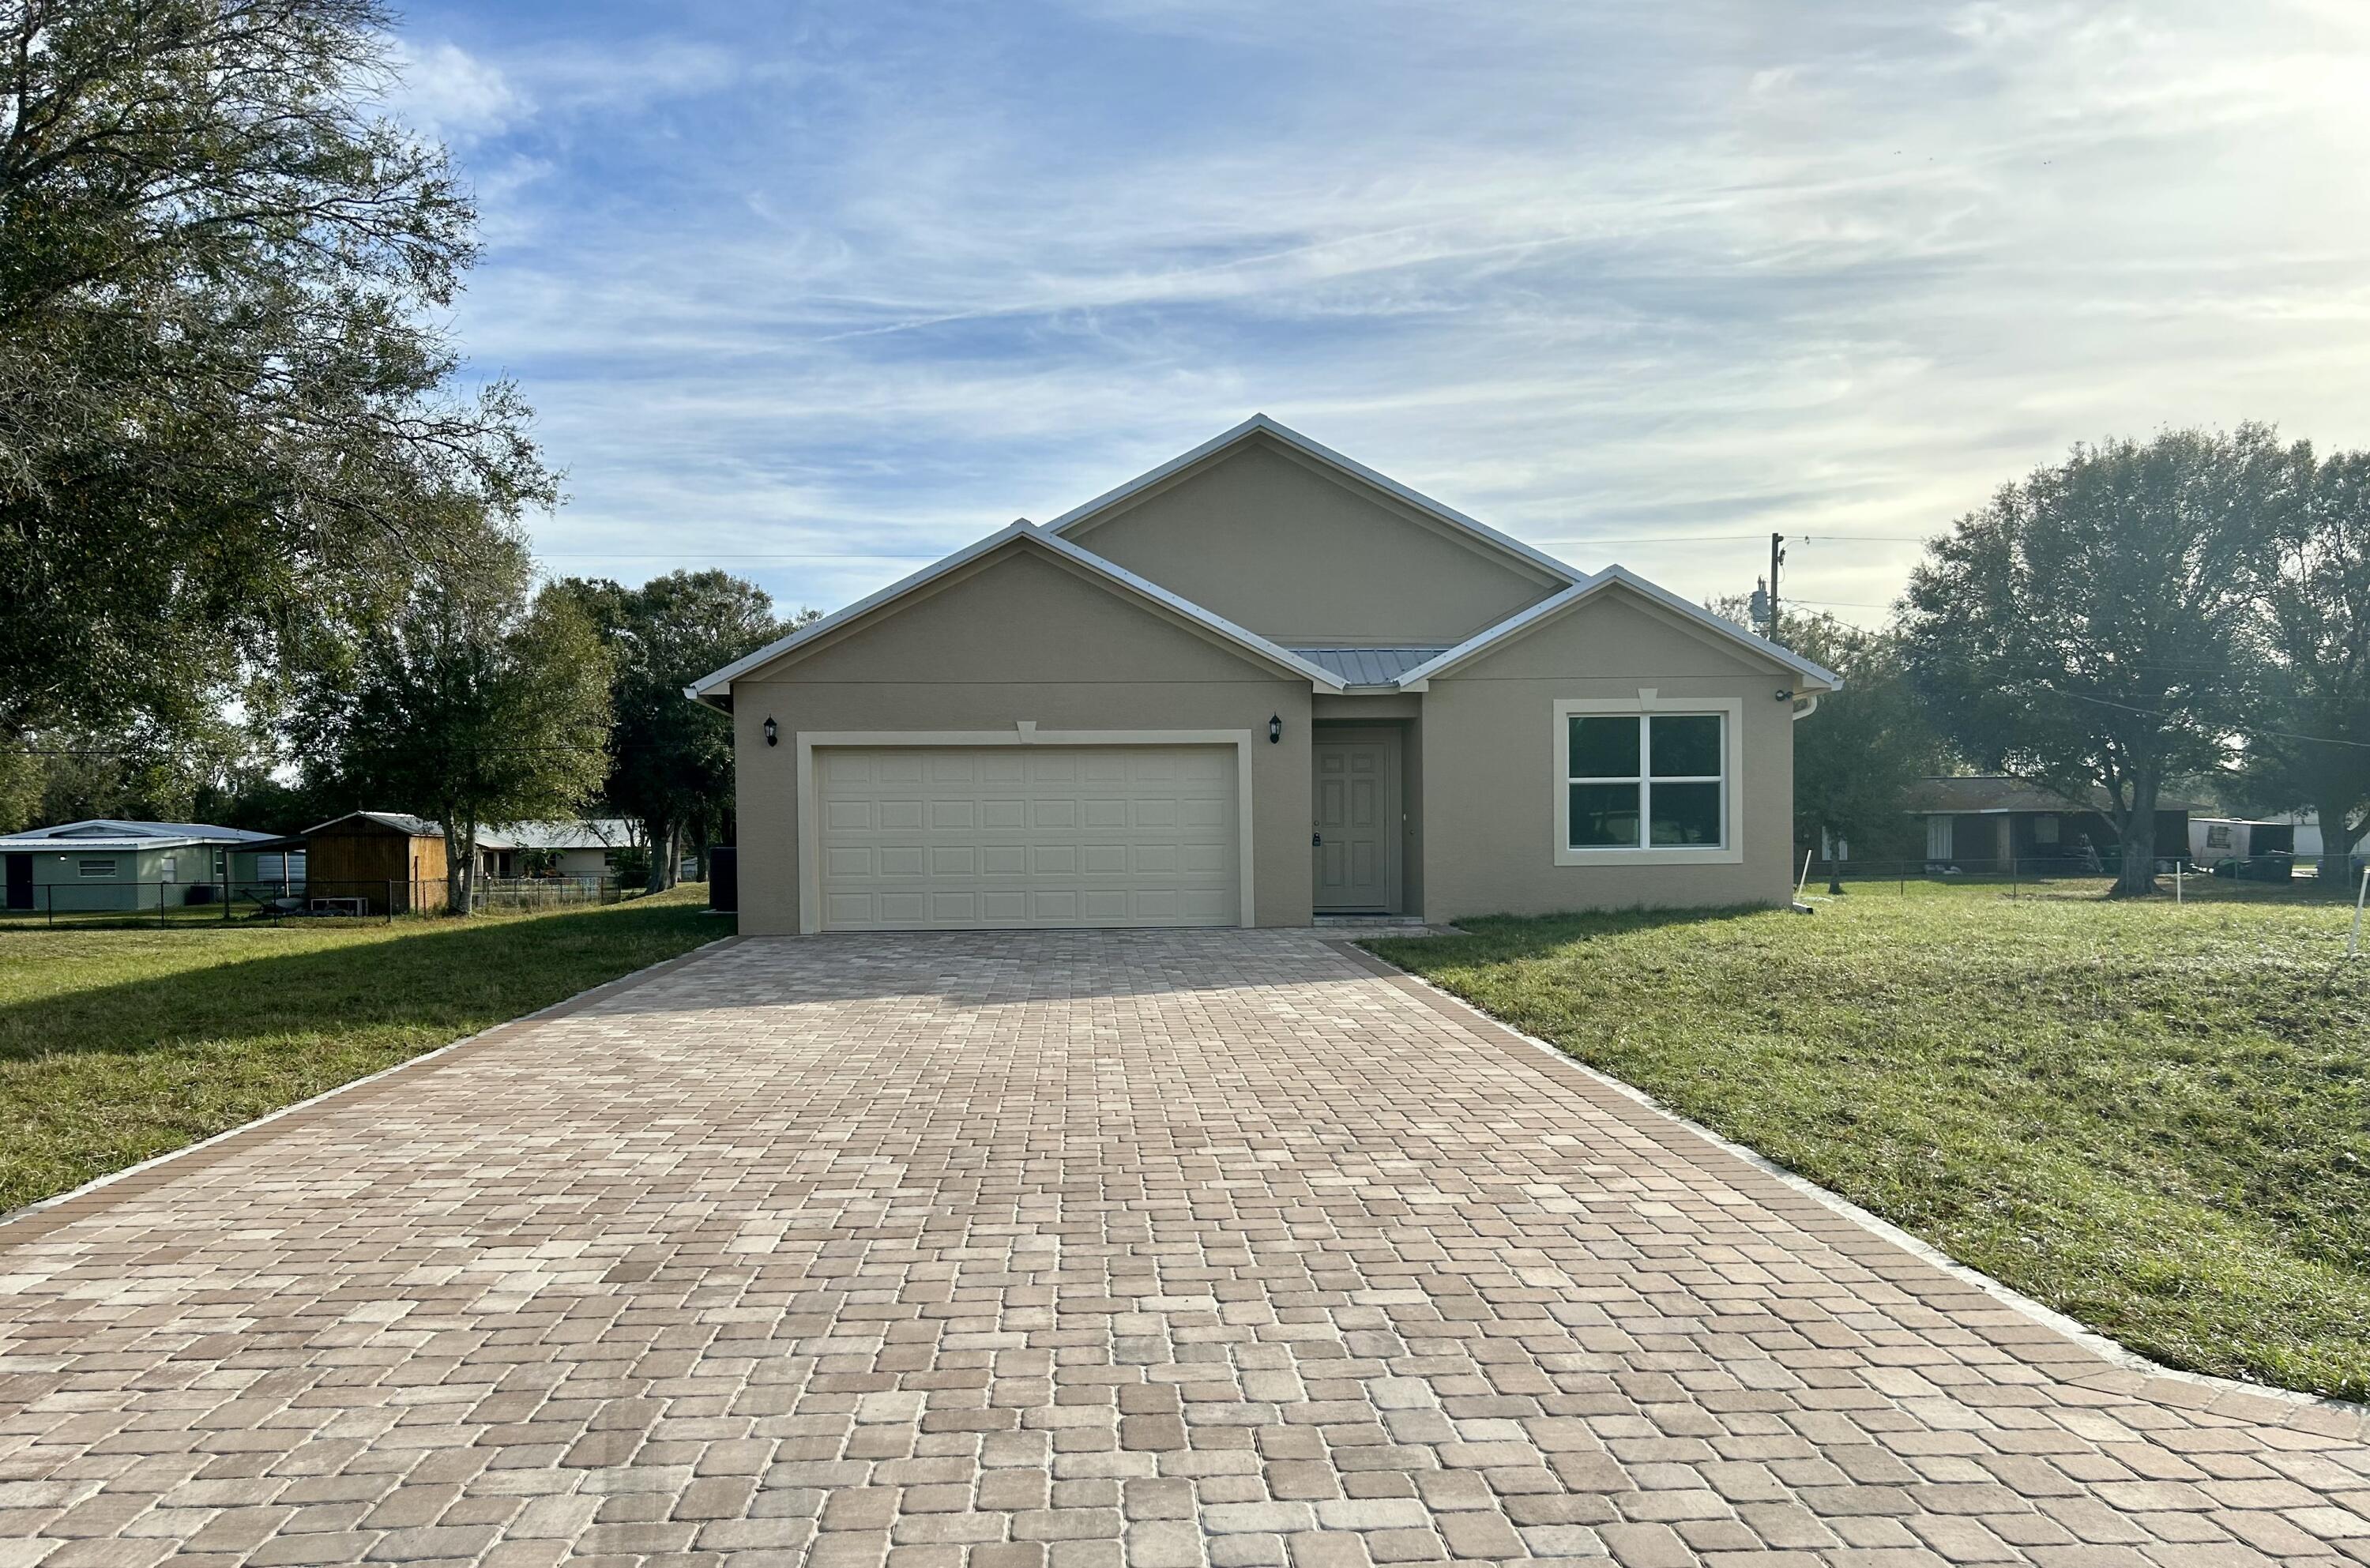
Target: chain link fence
(169,904)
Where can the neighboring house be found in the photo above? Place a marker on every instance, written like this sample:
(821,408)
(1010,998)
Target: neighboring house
(581,848)
(1986,823)
(1257,684)
(107,864)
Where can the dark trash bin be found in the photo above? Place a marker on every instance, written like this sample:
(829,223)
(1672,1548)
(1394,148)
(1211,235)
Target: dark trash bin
(723,879)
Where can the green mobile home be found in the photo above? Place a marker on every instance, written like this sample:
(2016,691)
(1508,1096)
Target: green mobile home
(102,864)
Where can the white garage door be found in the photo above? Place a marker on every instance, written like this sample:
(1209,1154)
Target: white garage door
(916,839)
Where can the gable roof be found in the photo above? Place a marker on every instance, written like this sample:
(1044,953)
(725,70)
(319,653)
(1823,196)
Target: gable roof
(1261,425)
(112,835)
(1992,793)
(569,832)
(718,685)
(117,838)
(1369,666)
(1616,576)
(412,826)
(398,822)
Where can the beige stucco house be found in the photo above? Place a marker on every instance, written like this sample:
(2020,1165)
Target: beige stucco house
(1259,684)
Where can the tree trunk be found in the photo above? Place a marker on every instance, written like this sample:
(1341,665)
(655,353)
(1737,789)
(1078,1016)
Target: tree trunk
(663,858)
(2336,845)
(2138,875)
(456,868)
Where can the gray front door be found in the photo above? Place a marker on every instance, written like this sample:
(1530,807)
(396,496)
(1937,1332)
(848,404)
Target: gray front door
(1357,829)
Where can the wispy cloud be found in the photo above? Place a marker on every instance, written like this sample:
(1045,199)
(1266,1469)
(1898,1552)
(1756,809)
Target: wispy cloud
(880,278)
(443,90)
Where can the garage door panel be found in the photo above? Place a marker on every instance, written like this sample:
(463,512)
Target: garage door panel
(1027,835)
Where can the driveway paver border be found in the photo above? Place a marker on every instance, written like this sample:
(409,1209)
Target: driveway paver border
(2028,1330)
(39,1217)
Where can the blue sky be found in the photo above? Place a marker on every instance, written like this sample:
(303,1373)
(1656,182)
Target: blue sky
(818,293)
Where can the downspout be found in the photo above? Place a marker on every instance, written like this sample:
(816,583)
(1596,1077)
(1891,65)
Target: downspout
(1805,706)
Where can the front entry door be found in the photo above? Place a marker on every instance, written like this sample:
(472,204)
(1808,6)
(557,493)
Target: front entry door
(20,881)
(1357,830)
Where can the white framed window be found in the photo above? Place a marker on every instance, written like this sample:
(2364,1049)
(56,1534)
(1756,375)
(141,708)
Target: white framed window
(2044,832)
(1649,780)
(168,869)
(93,868)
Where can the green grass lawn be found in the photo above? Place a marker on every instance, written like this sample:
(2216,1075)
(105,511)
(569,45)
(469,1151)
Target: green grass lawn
(2153,1118)
(118,1045)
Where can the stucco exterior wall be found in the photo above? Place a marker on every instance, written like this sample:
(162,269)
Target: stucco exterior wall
(1273,543)
(1017,637)
(1490,741)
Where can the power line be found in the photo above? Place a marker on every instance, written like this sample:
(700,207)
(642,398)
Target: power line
(2243,728)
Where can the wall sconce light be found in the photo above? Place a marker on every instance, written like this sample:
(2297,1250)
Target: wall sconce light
(1785,694)
(1274,728)
(773,732)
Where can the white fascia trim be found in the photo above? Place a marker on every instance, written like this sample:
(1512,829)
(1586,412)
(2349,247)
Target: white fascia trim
(1558,604)
(719,684)
(1351,465)
(1024,733)
(65,848)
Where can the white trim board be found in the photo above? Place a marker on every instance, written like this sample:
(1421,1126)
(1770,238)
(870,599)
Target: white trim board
(1024,733)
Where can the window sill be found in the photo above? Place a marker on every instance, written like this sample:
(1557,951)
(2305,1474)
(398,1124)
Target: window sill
(1670,854)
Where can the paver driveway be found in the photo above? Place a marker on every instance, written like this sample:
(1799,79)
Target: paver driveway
(1071,1250)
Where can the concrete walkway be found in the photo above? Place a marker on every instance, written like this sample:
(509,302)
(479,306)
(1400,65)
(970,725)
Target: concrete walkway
(1071,1250)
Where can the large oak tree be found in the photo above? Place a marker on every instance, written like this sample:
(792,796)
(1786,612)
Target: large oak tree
(2091,627)
(228,409)
(2308,740)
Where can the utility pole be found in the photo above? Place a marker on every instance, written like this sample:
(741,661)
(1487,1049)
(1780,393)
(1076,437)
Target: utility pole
(1777,559)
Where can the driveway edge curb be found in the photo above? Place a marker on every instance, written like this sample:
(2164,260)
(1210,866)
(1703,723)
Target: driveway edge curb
(43,1215)
(2315,1413)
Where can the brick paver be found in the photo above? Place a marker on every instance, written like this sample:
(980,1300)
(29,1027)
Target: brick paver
(1060,1251)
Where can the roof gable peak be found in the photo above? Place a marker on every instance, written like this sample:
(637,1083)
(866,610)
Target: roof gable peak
(1262,425)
